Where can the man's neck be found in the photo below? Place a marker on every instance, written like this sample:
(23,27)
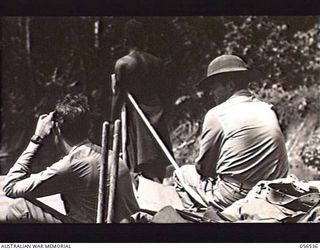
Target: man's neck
(67,146)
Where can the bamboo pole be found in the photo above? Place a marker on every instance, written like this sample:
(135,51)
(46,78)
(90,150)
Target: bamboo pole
(103,174)
(114,171)
(187,188)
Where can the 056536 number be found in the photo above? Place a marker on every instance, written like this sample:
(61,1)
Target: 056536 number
(309,245)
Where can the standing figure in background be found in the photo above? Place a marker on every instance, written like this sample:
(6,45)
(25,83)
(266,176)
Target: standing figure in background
(141,74)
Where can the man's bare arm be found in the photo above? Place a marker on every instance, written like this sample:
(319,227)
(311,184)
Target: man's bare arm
(118,89)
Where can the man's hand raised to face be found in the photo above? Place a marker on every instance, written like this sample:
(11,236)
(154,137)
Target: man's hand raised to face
(44,125)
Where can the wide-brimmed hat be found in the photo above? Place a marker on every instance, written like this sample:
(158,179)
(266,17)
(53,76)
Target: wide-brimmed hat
(226,66)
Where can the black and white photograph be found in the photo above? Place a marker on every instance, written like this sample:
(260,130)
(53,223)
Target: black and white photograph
(160,120)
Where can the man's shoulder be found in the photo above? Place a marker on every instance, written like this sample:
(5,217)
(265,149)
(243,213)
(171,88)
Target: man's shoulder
(239,102)
(124,60)
(130,62)
(213,112)
(222,109)
(212,117)
(85,152)
(148,57)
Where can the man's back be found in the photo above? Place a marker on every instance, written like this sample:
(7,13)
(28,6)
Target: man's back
(252,145)
(141,74)
(82,196)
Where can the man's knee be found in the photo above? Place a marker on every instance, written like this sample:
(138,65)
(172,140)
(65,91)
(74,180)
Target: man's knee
(17,210)
(25,211)
(188,173)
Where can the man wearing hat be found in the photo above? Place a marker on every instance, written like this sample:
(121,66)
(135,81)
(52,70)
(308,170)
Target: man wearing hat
(241,141)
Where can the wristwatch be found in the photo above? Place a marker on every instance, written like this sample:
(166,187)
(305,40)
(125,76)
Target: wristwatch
(36,139)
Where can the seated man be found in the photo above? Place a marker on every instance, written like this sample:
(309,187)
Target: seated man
(75,176)
(241,141)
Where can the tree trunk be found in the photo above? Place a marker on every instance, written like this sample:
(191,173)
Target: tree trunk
(97,24)
(78,48)
(30,73)
(28,42)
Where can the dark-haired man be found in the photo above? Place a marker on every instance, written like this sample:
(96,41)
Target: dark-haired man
(75,176)
(241,142)
(141,74)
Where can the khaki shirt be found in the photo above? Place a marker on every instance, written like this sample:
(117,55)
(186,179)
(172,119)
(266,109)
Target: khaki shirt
(76,177)
(241,140)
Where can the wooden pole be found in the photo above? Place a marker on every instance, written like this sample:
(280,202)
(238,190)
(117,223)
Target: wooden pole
(124,134)
(187,188)
(114,170)
(103,174)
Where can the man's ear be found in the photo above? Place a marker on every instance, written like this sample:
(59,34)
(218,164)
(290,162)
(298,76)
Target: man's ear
(231,86)
(56,128)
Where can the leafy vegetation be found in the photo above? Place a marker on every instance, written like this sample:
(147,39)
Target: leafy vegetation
(310,152)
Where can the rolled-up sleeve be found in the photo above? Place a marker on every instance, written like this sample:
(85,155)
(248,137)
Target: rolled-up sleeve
(210,145)
(19,182)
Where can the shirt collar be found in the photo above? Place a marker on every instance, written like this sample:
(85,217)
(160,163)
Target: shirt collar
(240,96)
(242,92)
(86,141)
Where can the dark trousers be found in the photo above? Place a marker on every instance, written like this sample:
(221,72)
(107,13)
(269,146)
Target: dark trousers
(144,153)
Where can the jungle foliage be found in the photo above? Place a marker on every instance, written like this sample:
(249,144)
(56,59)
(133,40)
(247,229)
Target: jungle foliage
(44,58)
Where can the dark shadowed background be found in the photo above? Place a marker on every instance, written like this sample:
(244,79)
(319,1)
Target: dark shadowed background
(43,58)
